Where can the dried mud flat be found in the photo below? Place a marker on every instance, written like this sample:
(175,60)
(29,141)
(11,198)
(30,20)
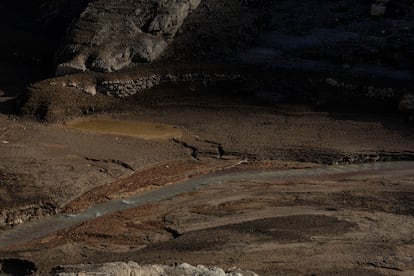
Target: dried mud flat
(345,223)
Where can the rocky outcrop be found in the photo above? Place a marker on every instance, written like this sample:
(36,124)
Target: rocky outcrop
(124,85)
(10,217)
(122,88)
(132,268)
(370,58)
(111,35)
(378,8)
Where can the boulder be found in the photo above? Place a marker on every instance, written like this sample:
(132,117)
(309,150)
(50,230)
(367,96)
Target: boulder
(407,102)
(171,16)
(111,34)
(132,268)
(378,9)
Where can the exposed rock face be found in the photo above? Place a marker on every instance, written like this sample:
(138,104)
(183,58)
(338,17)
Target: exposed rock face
(345,58)
(125,88)
(132,268)
(13,216)
(111,35)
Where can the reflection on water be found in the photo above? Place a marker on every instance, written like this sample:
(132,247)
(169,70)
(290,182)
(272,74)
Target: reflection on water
(138,129)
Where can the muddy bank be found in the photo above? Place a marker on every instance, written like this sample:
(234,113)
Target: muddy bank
(88,161)
(31,231)
(345,222)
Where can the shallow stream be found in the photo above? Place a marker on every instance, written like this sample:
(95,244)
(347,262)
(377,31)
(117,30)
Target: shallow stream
(45,226)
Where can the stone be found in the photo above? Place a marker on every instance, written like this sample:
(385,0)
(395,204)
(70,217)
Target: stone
(215,271)
(113,34)
(86,86)
(171,16)
(234,271)
(134,269)
(149,84)
(185,266)
(75,65)
(331,82)
(407,102)
(147,270)
(115,268)
(378,9)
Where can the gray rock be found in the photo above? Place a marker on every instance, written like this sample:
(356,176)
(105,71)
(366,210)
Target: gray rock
(378,9)
(171,16)
(133,269)
(407,102)
(87,86)
(129,86)
(113,34)
(331,82)
(77,64)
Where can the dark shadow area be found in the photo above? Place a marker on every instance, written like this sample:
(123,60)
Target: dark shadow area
(290,93)
(33,31)
(8,106)
(17,267)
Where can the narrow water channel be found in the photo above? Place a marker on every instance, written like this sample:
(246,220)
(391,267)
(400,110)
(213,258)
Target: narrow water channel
(42,227)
